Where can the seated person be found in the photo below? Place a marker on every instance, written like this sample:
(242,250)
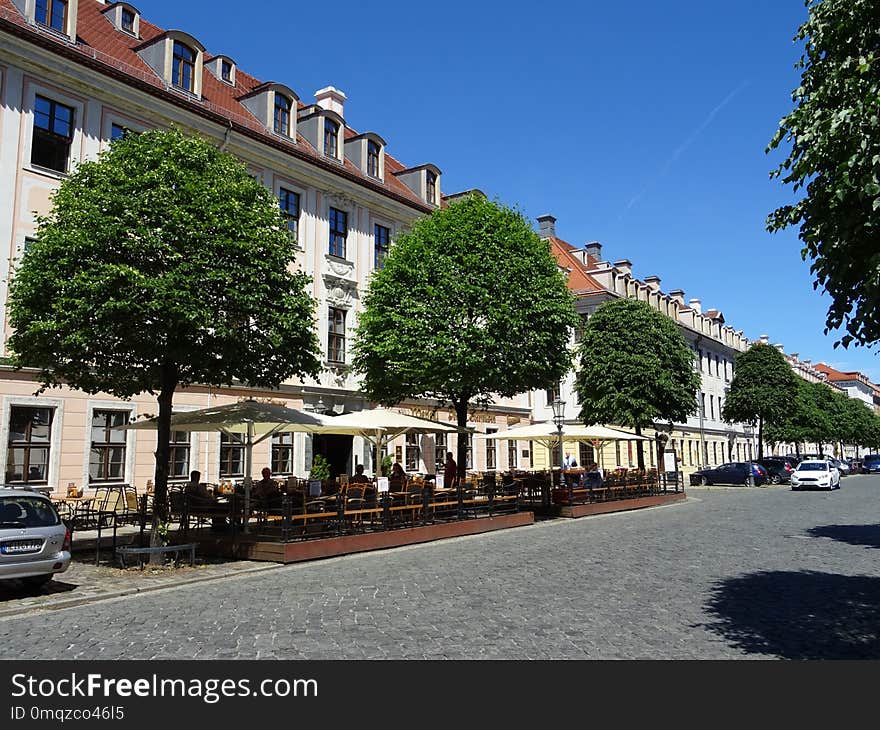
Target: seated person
(265,492)
(397,480)
(197,492)
(359,477)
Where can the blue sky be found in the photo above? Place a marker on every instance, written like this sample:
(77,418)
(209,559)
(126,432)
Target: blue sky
(639,124)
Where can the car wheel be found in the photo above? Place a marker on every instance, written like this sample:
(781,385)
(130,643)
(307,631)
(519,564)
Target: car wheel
(703,481)
(36,581)
(774,479)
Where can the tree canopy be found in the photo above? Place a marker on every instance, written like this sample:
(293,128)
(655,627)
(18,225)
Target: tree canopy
(162,263)
(834,133)
(470,304)
(634,368)
(762,389)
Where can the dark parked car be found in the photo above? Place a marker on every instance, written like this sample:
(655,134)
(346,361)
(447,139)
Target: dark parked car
(779,469)
(871,464)
(736,472)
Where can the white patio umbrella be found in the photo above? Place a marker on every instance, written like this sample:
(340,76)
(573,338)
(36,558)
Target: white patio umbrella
(258,421)
(381,425)
(547,434)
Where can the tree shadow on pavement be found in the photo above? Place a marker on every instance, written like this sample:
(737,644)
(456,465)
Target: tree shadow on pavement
(867,535)
(12,589)
(799,615)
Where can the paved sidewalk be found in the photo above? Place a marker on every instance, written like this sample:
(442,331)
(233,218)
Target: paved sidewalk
(85,582)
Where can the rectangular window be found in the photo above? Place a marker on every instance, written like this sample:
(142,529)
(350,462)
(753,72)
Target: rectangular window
(372,159)
(53,134)
(586,454)
(226,71)
(431,186)
(383,238)
(52,13)
(231,455)
(289,202)
(468,450)
(717,366)
(127,20)
(712,407)
(331,133)
(107,458)
(282,115)
(412,452)
(178,455)
(27,455)
(338,232)
(616,453)
(552,394)
(512,461)
(282,453)
(491,462)
(336,335)
(440,450)
(183,66)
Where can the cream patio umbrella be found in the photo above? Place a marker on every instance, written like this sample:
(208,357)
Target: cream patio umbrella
(381,425)
(547,434)
(258,421)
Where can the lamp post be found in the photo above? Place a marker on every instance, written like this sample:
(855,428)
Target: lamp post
(750,478)
(558,407)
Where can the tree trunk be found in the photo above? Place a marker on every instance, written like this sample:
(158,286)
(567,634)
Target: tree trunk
(461,413)
(640,451)
(163,437)
(760,439)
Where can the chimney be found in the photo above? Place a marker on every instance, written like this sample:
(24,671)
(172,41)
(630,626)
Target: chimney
(764,339)
(808,363)
(594,249)
(331,99)
(794,356)
(546,226)
(678,295)
(653,282)
(781,348)
(696,305)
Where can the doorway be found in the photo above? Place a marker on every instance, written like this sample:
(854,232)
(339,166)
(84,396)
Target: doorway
(337,450)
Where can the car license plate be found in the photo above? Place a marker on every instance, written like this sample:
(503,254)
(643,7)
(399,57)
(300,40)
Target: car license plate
(19,547)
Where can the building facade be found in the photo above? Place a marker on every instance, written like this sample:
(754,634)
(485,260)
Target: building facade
(76,74)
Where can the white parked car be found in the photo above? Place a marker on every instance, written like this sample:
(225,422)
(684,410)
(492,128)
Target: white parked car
(815,474)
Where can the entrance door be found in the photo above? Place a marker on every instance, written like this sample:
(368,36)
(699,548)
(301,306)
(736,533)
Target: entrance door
(337,450)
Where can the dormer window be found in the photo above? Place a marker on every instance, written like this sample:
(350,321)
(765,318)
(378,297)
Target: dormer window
(226,71)
(372,159)
(126,20)
(331,138)
(430,186)
(282,114)
(183,67)
(52,14)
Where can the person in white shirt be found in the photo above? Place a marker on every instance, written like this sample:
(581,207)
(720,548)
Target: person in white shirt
(569,461)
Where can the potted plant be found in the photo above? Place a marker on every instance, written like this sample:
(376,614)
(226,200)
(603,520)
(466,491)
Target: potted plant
(320,468)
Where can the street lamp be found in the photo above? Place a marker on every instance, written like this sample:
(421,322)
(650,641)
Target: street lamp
(558,407)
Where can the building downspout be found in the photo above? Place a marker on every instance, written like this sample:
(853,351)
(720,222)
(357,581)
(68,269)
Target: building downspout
(226,137)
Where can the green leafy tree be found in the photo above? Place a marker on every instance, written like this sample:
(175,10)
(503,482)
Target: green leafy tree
(635,368)
(161,264)
(470,303)
(795,424)
(856,421)
(761,391)
(834,132)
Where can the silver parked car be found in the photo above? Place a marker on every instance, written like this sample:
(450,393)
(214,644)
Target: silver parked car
(34,542)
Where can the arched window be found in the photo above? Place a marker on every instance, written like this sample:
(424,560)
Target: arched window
(331,138)
(183,67)
(372,159)
(282,115)
(431,186)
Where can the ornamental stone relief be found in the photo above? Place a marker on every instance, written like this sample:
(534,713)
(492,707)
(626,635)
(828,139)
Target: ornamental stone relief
(340,293)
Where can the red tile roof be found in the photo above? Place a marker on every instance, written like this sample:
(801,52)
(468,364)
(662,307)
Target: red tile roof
(579,281)
(106,50)
(837,375)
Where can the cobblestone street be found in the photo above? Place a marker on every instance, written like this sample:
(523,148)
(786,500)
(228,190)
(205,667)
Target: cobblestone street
(732,573)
